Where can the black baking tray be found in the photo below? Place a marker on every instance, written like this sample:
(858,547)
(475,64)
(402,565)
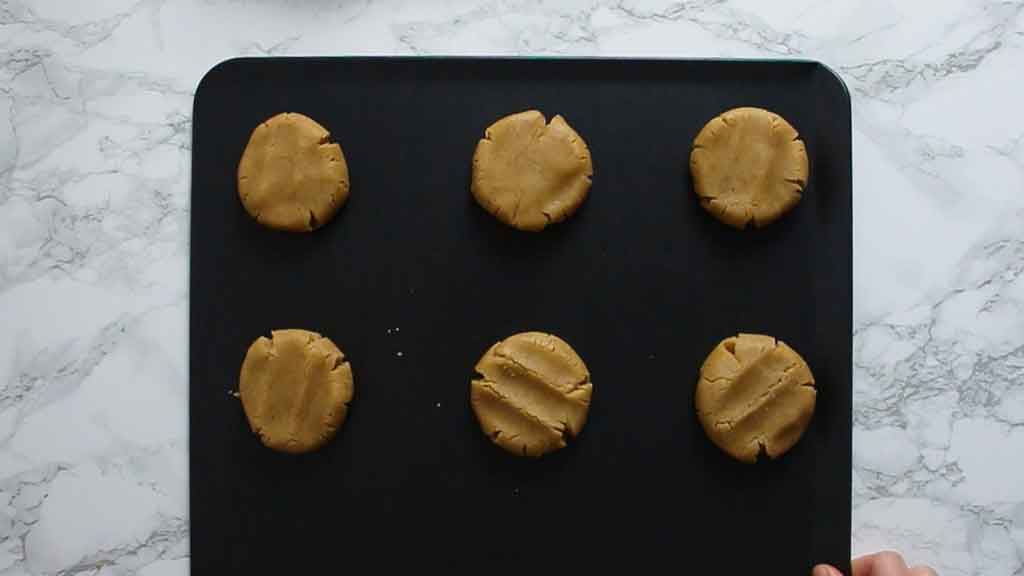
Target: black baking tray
(414,282)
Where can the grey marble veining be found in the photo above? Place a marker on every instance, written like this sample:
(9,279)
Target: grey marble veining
(95,107)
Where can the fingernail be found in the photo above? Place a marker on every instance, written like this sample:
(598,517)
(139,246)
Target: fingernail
(823,570)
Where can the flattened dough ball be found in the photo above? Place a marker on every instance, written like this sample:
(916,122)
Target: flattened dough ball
(748,166)
(291,176)
(529,173)
(295,388)
(533,393)
(754,393)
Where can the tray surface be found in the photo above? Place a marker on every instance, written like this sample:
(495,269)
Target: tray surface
(414,282)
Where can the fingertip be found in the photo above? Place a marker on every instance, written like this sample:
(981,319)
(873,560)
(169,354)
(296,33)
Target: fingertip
(825,570)
(890,560)
(885,562)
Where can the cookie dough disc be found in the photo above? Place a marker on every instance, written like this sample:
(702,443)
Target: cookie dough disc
(295,388)
(533,393)
(748,165)
(754,393)
(291,176)
(529,173)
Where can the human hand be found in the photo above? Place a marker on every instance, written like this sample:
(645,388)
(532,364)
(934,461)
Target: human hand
(878,564)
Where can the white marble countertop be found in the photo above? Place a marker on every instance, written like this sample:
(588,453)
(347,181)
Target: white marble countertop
(95,107)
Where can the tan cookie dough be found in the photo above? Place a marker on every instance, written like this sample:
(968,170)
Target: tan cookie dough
(533,393)
(291,176)
(748,165)
(529,173)
(754,393)
(295,388)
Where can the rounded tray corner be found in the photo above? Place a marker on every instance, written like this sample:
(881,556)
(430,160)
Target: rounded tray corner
(213,75)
